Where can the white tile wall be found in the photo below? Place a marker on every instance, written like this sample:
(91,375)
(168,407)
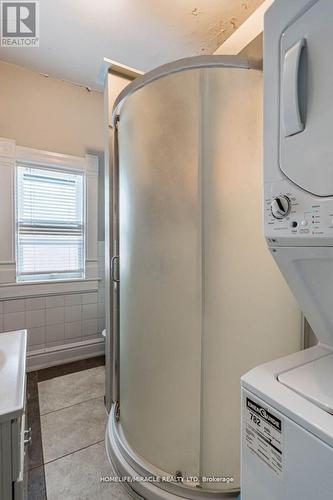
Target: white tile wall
(89,298)
(55,332)
(101,324)
(55,301)
(12,306)
(55,315)
(36,336)
(89,327)
(90,311)
(35,319)
(101,309)
(73,300)
(13,321)
(73,313)
(73,330)
(55,320)
(35,304)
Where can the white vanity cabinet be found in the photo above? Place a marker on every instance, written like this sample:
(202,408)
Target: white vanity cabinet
(12,415)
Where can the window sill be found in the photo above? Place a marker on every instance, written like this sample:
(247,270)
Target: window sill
(50,282)
(26,289)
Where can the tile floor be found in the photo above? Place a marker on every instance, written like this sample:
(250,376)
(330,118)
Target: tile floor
(72,423)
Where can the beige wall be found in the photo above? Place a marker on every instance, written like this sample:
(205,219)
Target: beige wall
(44,113)
(254,49)
(52,115)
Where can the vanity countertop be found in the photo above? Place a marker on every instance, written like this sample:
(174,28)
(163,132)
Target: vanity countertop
(13,350)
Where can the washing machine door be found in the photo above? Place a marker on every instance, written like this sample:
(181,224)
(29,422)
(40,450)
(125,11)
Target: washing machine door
(306,100)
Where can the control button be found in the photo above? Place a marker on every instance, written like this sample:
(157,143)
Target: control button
(280,207)
(304,223)
(294,223)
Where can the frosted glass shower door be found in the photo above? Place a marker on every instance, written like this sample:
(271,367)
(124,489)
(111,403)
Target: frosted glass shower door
(160,273)
(200,295)
(244,292)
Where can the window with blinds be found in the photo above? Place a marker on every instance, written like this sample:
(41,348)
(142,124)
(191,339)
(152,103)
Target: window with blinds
(50,224)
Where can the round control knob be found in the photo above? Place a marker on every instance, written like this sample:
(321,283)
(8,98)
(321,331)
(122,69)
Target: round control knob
(280,207)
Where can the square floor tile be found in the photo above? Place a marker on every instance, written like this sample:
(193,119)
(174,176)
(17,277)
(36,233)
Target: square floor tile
(61,392)
(65,431)
(77,477)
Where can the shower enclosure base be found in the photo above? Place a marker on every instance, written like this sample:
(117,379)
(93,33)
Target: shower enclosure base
(128,465)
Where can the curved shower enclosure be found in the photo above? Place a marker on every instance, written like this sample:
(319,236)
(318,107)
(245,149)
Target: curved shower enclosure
(196,299)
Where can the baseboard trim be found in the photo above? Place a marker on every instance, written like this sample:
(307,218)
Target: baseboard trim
(52,356)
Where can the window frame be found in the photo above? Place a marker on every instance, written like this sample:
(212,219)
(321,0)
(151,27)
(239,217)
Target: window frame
(53,276)
(88,162)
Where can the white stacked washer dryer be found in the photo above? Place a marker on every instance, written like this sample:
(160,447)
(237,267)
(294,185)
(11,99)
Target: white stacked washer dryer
(287,405)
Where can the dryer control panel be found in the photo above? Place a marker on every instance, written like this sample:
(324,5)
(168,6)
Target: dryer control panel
(293,217)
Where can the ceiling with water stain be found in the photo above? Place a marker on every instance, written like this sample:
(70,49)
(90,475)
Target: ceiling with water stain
(75,35)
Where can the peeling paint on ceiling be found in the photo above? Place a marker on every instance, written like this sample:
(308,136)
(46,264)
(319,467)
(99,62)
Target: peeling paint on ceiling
(76,35)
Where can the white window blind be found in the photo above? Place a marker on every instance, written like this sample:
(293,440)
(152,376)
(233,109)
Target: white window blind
(50,223)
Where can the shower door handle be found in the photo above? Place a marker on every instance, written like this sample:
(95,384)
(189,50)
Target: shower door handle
(115,269)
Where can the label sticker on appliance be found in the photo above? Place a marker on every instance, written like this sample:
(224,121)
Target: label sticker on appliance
(263,435)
